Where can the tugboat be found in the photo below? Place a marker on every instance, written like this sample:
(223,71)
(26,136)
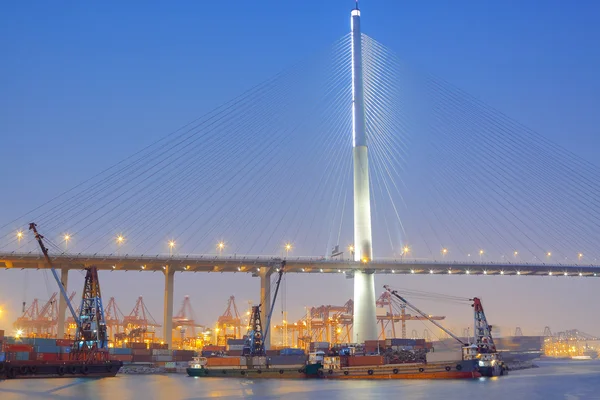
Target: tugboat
(89,357)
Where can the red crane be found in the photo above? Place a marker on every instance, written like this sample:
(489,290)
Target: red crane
(25,324)
(229,324)
(185,318)
(113,317)
(139,323)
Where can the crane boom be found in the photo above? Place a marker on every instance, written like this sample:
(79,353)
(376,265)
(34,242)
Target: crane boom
(395,294)
(38,237)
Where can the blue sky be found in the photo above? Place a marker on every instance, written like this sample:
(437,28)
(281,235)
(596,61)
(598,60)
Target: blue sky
(84,85)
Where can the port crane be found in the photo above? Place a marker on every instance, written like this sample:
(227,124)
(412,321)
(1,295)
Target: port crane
(254,344)
(91,341)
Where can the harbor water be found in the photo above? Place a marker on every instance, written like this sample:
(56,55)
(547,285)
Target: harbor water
(570,380)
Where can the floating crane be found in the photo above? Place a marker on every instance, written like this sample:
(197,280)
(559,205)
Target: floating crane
(254,344)
(91,342)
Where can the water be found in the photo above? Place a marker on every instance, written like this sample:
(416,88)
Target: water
(569,380)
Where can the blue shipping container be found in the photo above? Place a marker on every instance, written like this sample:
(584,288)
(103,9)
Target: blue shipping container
(22,355)
(2,357)
(291,352)
(43,342)
(47,349)
(120,351)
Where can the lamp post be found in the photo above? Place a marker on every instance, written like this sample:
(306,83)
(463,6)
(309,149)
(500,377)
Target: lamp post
(171,245)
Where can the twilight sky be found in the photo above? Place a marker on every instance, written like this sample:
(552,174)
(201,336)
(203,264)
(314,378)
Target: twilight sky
(85,85)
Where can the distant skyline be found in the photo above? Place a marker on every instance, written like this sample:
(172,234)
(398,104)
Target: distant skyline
(86,85)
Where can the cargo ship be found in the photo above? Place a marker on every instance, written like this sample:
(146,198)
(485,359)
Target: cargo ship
(86,356)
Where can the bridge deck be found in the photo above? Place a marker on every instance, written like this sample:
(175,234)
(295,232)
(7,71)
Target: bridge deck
(251,264)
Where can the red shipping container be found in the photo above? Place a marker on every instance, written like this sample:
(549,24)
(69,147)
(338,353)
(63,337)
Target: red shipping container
(14,348)
(63,356)
(122,357)
(233,353)
(141,352)
(363,361)
(47,357)
(142,358)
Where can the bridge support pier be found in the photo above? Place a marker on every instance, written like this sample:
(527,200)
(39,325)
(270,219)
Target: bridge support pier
(265,300)
(168,304)
(62,305)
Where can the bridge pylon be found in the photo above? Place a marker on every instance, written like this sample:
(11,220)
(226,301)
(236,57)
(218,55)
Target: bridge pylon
(365,317)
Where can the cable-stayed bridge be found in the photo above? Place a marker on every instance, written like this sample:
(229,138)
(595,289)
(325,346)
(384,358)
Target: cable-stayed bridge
(448,186)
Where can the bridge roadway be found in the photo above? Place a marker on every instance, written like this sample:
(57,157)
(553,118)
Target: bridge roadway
(264,266)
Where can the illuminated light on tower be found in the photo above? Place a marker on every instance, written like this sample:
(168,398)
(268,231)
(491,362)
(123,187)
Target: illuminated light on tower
(365,319)
(220,246)
(171,245)
(67,237)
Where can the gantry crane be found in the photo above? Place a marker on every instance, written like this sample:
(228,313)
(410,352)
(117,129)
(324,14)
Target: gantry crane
(139,325)
(333,324)
(229,324)
(25,323)
(185,322)
(114,317)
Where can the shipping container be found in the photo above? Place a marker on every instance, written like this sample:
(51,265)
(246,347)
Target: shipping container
(43,342)
(161,352)
(235,353)
(122,357)
(213,348)
(120,351)
(235,347)
(141,352)
(162,358)
(360,361)
(45,356)
(442,356)
(223,361)
(64,342)
(22,355)
(2,357)
(235,342)
(13,348)
(46,349)
(287,360)
(401,342)
(142,358)
(291,352)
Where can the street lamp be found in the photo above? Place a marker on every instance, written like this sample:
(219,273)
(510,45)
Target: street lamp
(67,237)
(405,250)
(288,247)
(444,251)
(480,254)
(19,237)
(220,246)
(579,256)
(171,245)
(351,249)
(120,240)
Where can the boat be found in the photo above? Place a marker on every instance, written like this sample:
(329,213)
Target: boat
(88,356)
(18,369)
(251,368)
(581,358)
(253,363)
(475,360)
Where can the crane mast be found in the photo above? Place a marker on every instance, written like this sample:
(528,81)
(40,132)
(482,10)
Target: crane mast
(255,345)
